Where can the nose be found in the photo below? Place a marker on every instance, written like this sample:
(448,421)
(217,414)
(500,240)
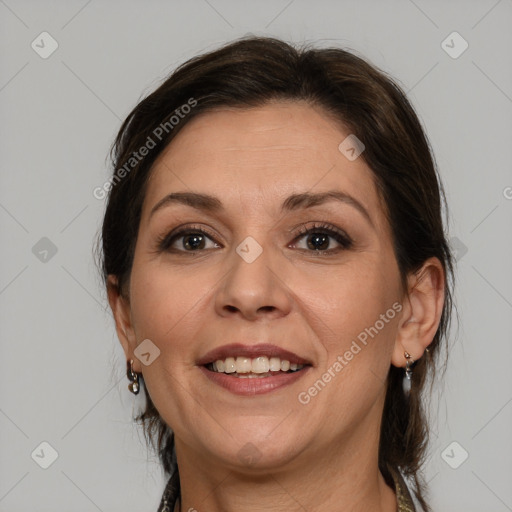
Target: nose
(253,289)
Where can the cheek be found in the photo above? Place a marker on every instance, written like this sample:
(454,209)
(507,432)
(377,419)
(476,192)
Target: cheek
(351,311)
(347,299)
(165,304)
(165,310)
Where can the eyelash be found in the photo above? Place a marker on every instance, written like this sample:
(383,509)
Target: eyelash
(321,228)
(164,242)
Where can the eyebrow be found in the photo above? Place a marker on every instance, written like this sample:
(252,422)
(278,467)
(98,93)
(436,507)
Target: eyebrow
(294,202)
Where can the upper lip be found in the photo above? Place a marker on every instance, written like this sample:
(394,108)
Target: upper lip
(262,349)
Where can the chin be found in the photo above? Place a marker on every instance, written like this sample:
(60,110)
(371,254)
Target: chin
(265,452)
(260,460)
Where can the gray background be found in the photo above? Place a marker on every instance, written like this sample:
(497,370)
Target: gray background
(62,374)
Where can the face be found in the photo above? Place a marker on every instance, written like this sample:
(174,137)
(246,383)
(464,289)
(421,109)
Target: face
(260,264)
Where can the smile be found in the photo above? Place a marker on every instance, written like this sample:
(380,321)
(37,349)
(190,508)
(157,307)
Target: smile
(253,370)
(258,367)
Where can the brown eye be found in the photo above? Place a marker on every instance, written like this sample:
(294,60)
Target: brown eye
(187,240)
(319,239)
(193,241)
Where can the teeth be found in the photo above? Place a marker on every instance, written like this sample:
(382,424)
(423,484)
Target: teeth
(260,366)
(243,365)
(230,365)
(274,364)
(252,375)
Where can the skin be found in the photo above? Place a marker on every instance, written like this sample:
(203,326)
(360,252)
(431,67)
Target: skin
(316,456)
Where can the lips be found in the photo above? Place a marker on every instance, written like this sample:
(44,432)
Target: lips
(240,380)
(251,351)
(261,385)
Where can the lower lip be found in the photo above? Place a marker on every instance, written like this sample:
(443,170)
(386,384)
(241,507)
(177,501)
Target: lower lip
(253,386)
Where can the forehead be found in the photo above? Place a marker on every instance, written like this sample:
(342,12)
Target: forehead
(260,155)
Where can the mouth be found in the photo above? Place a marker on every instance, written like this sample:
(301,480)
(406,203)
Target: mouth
(251,370)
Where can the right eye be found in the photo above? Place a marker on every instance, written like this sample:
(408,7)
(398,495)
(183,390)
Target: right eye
(187,239)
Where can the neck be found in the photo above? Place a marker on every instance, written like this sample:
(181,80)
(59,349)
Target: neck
(342,475)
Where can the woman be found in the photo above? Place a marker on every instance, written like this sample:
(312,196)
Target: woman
(277,267)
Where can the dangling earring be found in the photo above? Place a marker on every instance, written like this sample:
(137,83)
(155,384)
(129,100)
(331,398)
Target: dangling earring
(406,383)
(133,377)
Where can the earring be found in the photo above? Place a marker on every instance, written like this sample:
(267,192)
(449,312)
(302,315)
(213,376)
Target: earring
(407,381)
(133,377)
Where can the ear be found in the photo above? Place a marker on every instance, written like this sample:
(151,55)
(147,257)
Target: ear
(122,315)
(422,311)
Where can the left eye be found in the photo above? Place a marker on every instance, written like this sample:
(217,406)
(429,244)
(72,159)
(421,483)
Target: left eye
(319,239)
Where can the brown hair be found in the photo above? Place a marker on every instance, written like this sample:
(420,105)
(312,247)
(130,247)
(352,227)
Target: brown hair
(250,72)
